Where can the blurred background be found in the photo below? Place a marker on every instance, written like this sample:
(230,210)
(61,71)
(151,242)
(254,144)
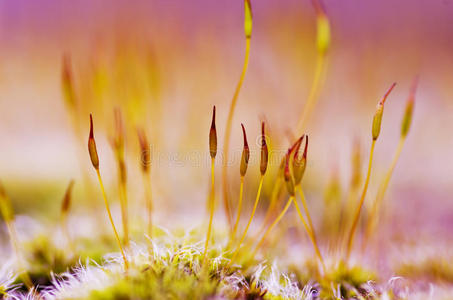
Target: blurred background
(166,63)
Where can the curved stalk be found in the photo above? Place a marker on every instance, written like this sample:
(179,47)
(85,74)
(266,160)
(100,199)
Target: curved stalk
(124,215)
(149,202)
(311,233)
(211,210)
(307,213)
(228,133)
(238,214)
(319,76)
(279,217)
(272,204)
(359,208)
(238,247)
(126,264)
(372,219)
(20,261)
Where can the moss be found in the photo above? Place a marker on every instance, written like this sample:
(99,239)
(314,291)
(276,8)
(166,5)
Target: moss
(436,269)
(349,281)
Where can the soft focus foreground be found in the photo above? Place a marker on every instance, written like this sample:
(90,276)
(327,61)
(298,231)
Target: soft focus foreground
(150,73)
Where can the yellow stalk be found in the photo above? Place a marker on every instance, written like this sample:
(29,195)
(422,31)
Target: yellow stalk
(146,175)
(359,207)
(373,217)
(126,265)
(235,253)
(322,45)
(321,62)
(279,217)
(228,132)
(211,210)
(124,214)
(15,243)
(307,213)
(149,201)
(310,232)
(64,216)
(7,212)
(272,204)
(238,214)
(64,228)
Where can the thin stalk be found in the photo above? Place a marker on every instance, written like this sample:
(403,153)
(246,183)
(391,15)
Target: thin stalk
(359,208)
(273,203)
(64,229)
(65,207)
(124,215)
(228,133)
(238,214)
(311,233)
(146,176)
(15,243)
(307,213)
(372,220)
(279,217)
(126,265)
(211,210)
(238,247)
(149,201)
(321,62)
(345,220)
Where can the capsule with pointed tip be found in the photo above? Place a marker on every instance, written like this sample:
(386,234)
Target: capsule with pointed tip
(213,136)
(145,150)
(377,118)
(248,19)
(245,154)
(289,180)
(92,146)
(300,163)
(118,145)
(66,204)
(264,152)
(406,123)
(67,82)
(118,140)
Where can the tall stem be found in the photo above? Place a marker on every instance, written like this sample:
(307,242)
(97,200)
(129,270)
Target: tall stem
(272,204)
(149,201)
(228,133)
(15,244)
(124,212)
(64,229)
(238,214)
(311,233)
(279,217)
(372,220)
(359,208)
(307,213)
(314,91)
(211,210)
(126,265)
(238,247)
